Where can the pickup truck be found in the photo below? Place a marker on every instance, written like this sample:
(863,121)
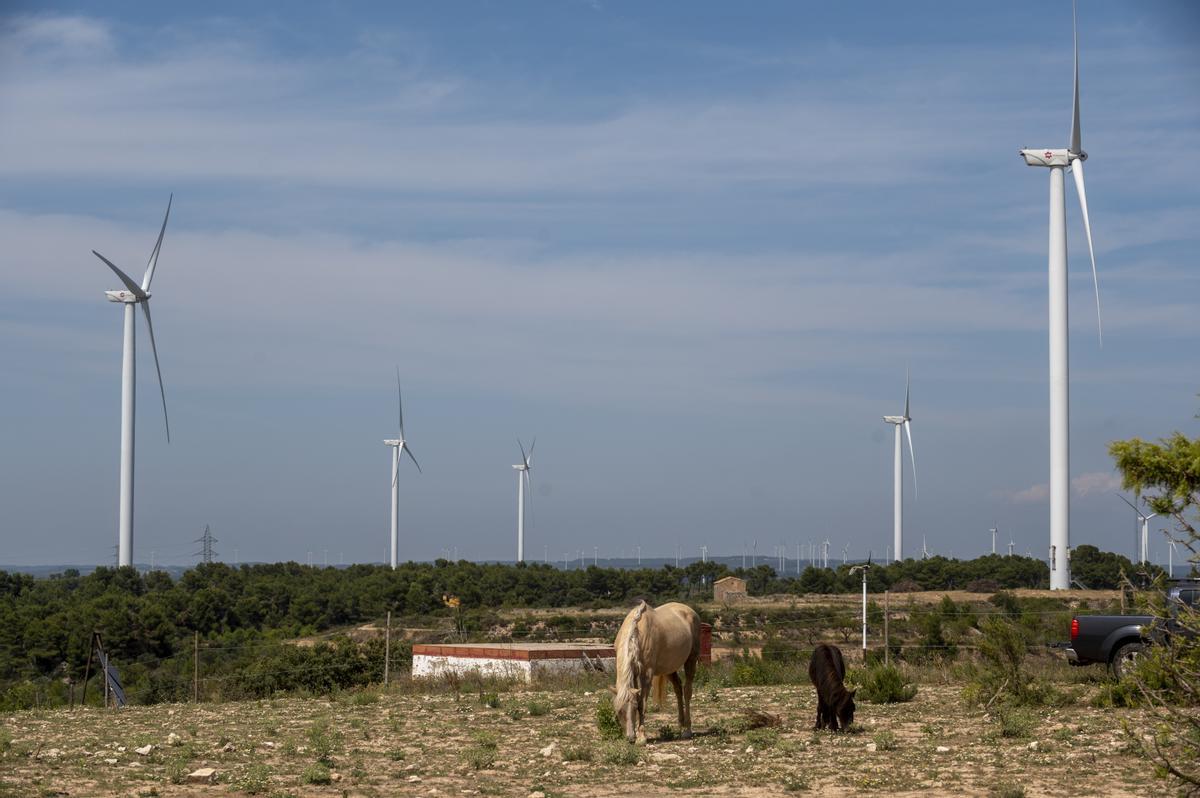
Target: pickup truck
(1118,640)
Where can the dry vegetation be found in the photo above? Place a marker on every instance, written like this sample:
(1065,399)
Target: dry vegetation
(518,742)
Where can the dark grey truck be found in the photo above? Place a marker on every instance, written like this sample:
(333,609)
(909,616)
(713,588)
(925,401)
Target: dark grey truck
(1117,640)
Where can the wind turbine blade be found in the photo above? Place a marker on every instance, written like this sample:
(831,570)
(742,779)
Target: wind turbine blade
(1077,171)
(529,460)
(1122,498)
(154,349)
(524,457)
(1076,145)
(133,287)
(157,247)
(911,453)
(412,457)
(400,403)
(907,385)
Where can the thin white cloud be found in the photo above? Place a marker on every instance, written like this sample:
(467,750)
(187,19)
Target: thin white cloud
(1087,484)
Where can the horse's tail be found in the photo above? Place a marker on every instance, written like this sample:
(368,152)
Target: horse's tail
(659,688)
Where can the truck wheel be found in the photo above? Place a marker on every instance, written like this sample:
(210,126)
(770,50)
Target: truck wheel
(1125,659)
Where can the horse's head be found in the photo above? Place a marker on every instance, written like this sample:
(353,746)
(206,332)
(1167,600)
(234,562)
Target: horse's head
(625,706)
(845,709)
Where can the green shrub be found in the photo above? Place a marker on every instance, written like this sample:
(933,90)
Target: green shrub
(325,741)
(491,700)
(1007,791)
(885,740)
(1014,723)
(884,684)
(536,709)
(794,782)
(316,773)
(255,780)
(479,758)
(5,740)
(762,738)
(619,752)
(606,719)
(577,753)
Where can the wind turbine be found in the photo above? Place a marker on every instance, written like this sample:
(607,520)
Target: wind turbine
(905,422)
(131,297)
(1058,161)
(1144,543)
(994,530)
(522,489)
(399,448)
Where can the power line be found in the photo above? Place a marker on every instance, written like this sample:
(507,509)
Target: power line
(206,552)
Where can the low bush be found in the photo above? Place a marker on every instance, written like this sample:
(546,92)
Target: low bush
(619,752)
(884,684)
(606,719)
(885,740)
(316,773)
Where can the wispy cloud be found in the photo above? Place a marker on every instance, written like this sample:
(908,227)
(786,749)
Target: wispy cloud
(1083,485)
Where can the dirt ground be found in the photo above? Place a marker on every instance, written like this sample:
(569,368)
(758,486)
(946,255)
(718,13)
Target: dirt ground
(547,741)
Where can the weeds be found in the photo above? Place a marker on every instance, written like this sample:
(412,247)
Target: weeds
(316,773)
(255,780)
(619,752)
(1007,791)
(762,738)
(606,720)
(537,709)
(325,741)
(1014,722)
(578,753)
(885,740)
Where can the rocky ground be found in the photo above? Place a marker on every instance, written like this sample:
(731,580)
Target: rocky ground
(547,741)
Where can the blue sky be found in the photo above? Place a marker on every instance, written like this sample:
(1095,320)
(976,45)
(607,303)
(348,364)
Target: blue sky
(691,247)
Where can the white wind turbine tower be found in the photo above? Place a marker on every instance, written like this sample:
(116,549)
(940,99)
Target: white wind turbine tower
(994,530)
(523,488)
(1144,541)
(905,422)
(1057,161)
(399,448)
(132,296)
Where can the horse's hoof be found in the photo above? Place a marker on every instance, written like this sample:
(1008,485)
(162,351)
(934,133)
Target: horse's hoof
(686,734)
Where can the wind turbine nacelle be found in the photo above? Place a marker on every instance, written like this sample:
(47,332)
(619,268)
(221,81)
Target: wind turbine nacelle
(393,442)
(128,297)
(1049,157)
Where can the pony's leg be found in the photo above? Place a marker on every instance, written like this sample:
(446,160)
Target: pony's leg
(640,735)
(820,715)
(689,676)
(677,683)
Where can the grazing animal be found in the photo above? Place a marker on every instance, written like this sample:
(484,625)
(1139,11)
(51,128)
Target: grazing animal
(835,704)
(652,645)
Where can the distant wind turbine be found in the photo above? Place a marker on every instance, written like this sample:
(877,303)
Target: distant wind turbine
(1058,161)
(994,530)
(399,448)
(1144,542)
(133,295)
(523,488)
(905,422)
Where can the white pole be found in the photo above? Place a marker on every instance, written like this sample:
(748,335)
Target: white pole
(520,518)
(1060,444)
(864,614)
(898,501)
(128,399)
(395,505)
(1145,540)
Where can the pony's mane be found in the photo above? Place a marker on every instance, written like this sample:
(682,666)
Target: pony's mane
(631,660)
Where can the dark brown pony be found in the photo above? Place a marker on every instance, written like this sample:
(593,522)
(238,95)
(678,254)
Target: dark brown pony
(835,704)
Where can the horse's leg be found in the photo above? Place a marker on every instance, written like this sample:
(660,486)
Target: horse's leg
(677,684)
(640,736)
(689,676)
(820,714)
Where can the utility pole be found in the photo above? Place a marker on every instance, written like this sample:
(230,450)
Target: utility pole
(196,667)
(864,568)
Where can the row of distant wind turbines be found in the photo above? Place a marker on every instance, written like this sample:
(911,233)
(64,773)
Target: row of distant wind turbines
(1056,160)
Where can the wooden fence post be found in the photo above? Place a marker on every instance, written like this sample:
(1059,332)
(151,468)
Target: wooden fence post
(887,643)
(387,649)
(196,667)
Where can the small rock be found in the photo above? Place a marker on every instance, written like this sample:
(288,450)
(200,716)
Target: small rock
(872,747)
(120,749)
(173,739)
(268,744)
(144,750)
(941,749)
(335,776)
(537,794)
(749,749)
(202,776)
(52,753)
(228,748)
(548,751)
(110,761)
(134,764)
(1033,746)
(659,756)
(414,779)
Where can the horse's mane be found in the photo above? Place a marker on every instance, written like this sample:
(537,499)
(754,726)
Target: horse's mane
(630,665)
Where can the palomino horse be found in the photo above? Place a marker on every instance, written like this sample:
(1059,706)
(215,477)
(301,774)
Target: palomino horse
(652,645)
